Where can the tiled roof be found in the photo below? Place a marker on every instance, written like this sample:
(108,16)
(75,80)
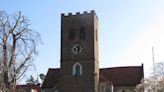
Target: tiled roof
(52,78)
(123,76)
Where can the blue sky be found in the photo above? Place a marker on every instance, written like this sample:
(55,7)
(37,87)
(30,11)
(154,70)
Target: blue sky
(127,29)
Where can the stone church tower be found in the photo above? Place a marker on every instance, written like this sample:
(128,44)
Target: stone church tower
(79,53)
(79,71)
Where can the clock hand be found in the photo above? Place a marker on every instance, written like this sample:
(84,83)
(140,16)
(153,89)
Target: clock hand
(76,49)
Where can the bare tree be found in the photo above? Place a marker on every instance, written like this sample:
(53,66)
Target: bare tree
(17,47)
(159,70)
(154,83)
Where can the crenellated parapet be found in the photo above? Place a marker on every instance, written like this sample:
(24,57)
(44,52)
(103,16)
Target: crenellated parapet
(77,13)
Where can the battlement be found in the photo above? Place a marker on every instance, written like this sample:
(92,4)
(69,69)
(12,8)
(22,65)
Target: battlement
(77,13)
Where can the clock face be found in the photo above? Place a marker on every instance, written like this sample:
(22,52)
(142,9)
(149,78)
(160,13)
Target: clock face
(77,48)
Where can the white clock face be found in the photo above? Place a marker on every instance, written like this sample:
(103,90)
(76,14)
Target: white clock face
(76,48)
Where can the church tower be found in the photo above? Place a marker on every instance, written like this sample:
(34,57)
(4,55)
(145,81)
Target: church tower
(79,52)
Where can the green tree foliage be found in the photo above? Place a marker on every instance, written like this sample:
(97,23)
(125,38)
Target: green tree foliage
(32,80)
(42,77)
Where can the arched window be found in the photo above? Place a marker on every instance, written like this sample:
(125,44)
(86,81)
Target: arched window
(77,69)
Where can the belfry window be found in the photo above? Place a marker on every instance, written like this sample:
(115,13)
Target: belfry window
(82,33)
(77,69)
(71,34)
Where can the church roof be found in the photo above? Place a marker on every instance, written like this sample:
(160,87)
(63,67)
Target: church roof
(52,78)
(118,76)
(122,76)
